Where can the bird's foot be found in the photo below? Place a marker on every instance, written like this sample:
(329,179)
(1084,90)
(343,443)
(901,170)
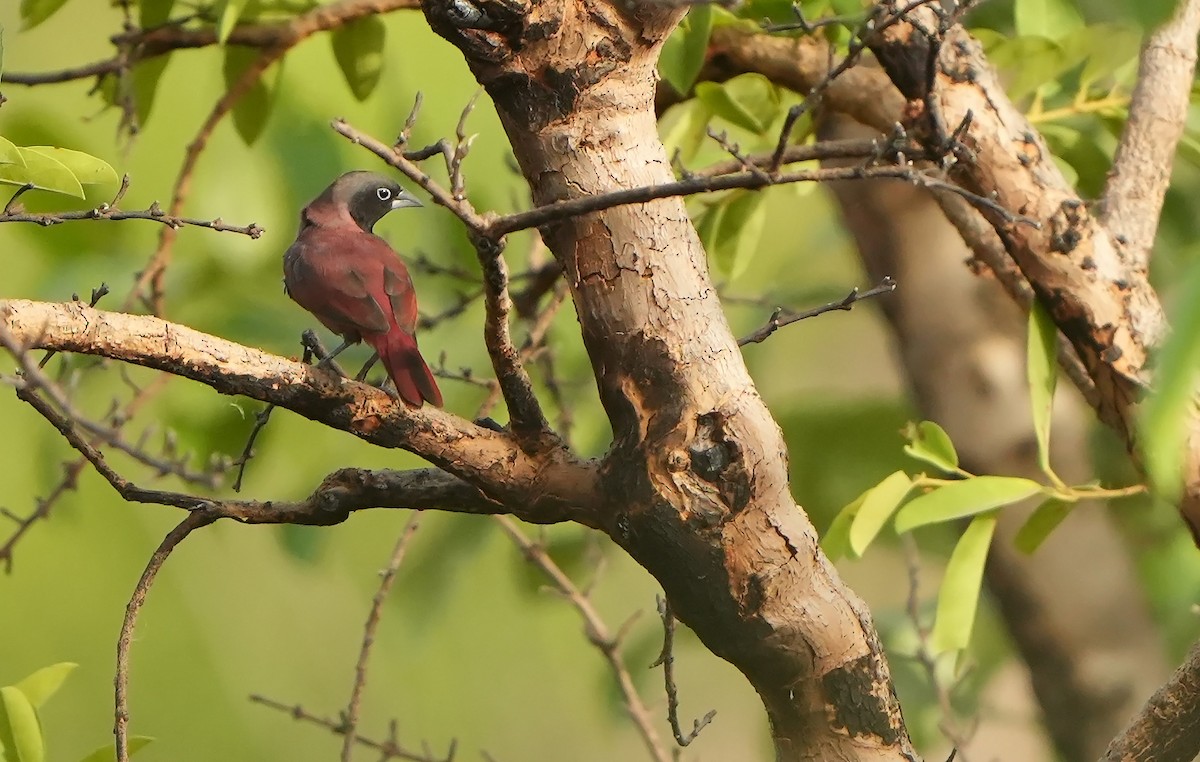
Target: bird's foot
(314,348)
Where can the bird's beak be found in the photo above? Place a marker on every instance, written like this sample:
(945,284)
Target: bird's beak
(403,199)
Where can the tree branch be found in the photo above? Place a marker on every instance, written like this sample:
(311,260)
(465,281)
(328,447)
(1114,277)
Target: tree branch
(1158,111)
(1108,310)
(194,520)
(150,43)
(554,486)
(350,725)
(1168,727)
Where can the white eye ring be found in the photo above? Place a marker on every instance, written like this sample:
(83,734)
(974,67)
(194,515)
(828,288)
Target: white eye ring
(384,194)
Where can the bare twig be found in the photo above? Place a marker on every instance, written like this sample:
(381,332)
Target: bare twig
(948,723)
(196,519)
(1158,111)
(780,318)
(33,381)
(597,634)
(149,43)
(261,418)
(461,208)
(666,660)
(700,184)
(154,213)
(350,722)
(389,749)
(873,25)
(152,275)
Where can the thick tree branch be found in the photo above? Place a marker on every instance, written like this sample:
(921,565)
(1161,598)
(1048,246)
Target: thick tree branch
(552,487)
(1107,310)
(1168,727)
(1158,111)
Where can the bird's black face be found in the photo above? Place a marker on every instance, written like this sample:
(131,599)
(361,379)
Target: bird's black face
(369,196)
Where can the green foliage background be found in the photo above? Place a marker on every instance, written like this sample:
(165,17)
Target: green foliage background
(470,647)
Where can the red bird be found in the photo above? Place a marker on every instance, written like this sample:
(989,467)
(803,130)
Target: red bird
(354,283)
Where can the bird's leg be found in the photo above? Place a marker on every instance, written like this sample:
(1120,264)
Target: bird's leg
(362,374)
(312,344)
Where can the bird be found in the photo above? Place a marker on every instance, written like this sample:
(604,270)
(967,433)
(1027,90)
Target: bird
(354,282)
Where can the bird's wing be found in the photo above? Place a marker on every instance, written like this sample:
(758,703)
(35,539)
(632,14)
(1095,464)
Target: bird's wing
(354,300)
(333,277)
(398,286)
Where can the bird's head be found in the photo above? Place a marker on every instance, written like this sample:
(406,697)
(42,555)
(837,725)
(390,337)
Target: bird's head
(367,196)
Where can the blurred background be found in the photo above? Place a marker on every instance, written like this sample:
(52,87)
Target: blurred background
(472,647)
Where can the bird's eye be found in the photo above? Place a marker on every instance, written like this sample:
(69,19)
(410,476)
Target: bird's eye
(384,194)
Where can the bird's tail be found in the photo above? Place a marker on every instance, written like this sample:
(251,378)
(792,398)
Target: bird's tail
(407,369)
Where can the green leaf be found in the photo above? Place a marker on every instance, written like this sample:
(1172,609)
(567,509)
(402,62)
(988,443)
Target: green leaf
(230,11)
(749,101)
(836,542)
(1107,47)
(1149,13)
(34,12)
(88,169)
(1042,368)
(108,752)
(708,223)
(683,129)
(958,597)
(1165,414)
(684,52)
(1041,523)
(251,112)
(43,172)
(20,731)
(152,13)
(930,443)
(10,154)
(358,48)
(1053,19)
(877,507)
(964,498)
(43,684)
(1028,63)
(739,233)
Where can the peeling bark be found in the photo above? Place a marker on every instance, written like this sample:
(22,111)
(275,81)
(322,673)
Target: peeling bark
(1103,305)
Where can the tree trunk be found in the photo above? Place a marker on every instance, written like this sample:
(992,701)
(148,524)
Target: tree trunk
(695,486)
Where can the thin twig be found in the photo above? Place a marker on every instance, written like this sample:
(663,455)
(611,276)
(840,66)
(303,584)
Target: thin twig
(154,213)
(261,418)
(152,275)
(389,749)
(596,631)
(873,25)
(948,723)
(476,224)
(33,380)
(196,519)
(350,722)
(667,660)
(700,184)
(779,318)
(145,44)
